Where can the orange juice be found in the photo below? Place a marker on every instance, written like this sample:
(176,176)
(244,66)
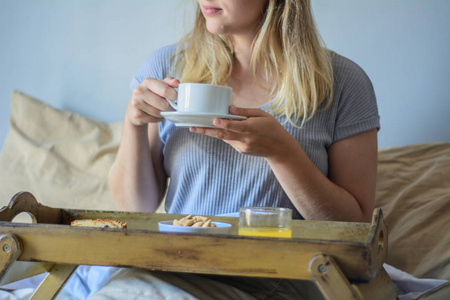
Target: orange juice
(278,232)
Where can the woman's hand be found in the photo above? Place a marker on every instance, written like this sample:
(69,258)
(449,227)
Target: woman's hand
(149,99)
(348,193)
(260,135)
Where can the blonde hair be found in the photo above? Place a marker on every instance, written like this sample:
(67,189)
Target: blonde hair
(287,49)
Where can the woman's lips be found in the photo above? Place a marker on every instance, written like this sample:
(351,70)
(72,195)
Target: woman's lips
(210,11)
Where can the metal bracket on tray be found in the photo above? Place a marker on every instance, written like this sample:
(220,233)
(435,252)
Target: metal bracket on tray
(333,284)
(10,249)
(58,274)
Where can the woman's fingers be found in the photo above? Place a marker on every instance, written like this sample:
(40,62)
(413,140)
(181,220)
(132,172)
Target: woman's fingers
(233,126)
(172,82)
(149,99)
(155,92)
(248,112)
(235,129)
(228,130)
(142,107)
(254,115)
(260,135)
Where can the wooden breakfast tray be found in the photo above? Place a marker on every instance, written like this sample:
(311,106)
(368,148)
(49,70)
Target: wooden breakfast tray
(344,259)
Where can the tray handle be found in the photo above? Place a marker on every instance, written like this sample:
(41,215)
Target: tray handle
(378,240)
(26,202)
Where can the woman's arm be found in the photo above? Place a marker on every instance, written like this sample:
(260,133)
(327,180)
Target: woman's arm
(347,194)
(137,177)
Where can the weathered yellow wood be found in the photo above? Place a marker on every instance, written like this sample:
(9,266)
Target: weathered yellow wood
(381,287)
(25,269)
(333,231)
(377,241)
(53,282)
(318,230)
(209,254)
(26,202)
(301,229)
(330,280)
(10,249)
(333,284)
(359,249)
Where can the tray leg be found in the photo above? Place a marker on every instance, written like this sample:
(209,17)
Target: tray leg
(10,249)
(333,284)
(329,278)
(381,287)
(53,282)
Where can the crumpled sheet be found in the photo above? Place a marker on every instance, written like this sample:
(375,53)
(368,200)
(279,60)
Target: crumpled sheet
(85,281)
(410,287)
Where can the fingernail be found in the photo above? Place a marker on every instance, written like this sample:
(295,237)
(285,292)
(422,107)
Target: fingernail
(217,122)
(192,129)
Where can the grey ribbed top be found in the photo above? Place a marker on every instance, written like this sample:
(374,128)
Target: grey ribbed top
(209,177)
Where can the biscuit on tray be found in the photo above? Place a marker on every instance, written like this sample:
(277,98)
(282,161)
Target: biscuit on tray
(194,221)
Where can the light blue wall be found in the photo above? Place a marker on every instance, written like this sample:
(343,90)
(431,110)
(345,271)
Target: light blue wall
(80,55)
(404,46)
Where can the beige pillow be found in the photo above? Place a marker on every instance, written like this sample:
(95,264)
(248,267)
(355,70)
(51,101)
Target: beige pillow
(61,157)
(413,191)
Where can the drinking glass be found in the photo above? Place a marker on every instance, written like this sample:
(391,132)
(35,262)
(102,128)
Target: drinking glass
(265,221)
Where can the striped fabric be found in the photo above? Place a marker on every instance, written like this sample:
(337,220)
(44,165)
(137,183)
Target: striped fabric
(209,177)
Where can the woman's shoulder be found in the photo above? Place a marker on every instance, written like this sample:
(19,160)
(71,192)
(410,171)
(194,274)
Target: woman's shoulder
(342,64)
(346,70)
(163,53)
(157,65)
(162,56)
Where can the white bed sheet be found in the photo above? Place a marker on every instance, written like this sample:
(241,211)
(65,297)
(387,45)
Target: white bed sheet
(89,279)
(85,281)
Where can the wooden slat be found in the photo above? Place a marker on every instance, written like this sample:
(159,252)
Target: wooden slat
(381,287)
(330,279)
(25,269)
(302,229)
(53,282)
(209,254)
(10,250)
(333,284)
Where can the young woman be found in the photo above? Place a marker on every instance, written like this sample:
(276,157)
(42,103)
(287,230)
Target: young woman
(309,141)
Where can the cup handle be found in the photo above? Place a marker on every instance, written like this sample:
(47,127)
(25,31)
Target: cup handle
(173,103)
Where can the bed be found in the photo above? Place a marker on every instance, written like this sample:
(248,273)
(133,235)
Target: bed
(64,159)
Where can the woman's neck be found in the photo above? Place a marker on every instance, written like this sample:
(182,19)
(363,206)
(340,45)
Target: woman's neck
(243,48)
(247,91)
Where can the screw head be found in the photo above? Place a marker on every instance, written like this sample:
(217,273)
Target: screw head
(322,268)
(6,248)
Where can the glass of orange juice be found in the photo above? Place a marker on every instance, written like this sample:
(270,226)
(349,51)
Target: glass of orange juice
(265,221)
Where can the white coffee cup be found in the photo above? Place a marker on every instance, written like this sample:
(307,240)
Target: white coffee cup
(202,98)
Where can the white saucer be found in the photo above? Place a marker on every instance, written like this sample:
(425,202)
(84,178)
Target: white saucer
(183,119)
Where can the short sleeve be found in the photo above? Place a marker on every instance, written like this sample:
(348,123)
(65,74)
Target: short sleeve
(157,66)
(357,109)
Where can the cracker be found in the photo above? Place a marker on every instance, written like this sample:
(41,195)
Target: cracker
(194,221)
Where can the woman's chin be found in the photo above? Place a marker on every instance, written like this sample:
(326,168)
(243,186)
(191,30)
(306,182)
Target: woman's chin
(216,28)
